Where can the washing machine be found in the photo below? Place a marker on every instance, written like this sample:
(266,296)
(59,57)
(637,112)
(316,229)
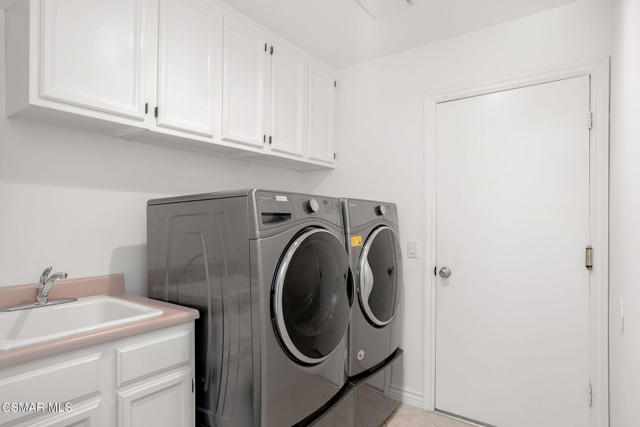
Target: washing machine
(372,237)
(269,273)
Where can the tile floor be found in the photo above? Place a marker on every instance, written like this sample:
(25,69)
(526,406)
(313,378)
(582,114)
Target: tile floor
(406,416)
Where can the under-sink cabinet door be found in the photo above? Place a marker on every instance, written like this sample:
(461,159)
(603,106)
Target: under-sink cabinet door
(288,100)
(93,54)
(163,402)
(186,34)
(64,380)
(244,61)
(82,415)
(320,134)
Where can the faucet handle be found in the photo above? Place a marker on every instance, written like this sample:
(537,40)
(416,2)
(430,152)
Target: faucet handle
(45,275)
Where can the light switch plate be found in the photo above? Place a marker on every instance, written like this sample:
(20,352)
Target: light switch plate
(412,248)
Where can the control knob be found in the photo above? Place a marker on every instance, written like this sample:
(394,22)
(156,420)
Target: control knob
(313,206)
(381,210)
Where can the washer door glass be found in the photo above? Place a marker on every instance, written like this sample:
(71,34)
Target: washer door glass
(379,276)
(313,296)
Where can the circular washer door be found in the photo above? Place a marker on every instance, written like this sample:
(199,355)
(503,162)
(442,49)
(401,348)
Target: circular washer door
(313,296)
(379,275)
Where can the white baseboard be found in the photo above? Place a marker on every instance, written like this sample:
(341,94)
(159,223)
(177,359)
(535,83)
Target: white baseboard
(408,397)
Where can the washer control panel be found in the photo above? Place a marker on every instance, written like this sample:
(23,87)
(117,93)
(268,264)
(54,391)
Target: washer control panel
(275,209)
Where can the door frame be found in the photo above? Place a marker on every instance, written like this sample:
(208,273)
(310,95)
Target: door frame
(598,72)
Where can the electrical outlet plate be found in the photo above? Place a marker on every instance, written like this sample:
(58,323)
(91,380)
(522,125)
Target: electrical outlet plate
(412,248)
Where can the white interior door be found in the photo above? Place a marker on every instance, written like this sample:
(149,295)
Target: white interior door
(243,107)
(512,319)
(185,66)
(288,87)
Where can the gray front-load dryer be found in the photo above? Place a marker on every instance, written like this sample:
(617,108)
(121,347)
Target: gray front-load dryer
(374,331)
(269,273)
(376,260)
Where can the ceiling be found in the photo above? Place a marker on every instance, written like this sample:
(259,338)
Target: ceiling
(341,33)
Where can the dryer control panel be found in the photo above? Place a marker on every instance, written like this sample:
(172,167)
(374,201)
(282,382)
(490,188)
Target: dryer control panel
(362,212)
(276,209)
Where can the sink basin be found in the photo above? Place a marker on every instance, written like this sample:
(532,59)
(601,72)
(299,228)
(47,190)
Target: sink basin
(30,326)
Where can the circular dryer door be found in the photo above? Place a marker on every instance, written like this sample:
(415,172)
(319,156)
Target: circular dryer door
(313,296)
(379,275)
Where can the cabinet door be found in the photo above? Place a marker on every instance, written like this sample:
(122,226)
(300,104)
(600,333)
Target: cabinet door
(321,88)
(288,97)
(92,54)
(244,61)
(185,66)
(163,402)
(83,415)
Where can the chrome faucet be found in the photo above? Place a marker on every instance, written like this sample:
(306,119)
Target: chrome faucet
(42,299)
(46,282)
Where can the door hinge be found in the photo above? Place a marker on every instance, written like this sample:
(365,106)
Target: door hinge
(270,139)
(146,107)
(334,156)
(588,258)
(335,83)
(155,112)
(435,270)
(590,120)
(271,50)
(193,385)
(590,395)
(264,138)
(265,47)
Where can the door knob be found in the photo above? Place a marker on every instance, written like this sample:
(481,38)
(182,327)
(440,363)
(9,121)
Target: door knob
(445,272)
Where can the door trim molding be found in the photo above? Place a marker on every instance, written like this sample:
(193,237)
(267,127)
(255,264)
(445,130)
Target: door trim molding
(598,71)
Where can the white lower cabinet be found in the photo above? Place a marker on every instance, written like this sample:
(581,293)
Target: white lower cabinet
(162,402)
(143,380)
(86,415)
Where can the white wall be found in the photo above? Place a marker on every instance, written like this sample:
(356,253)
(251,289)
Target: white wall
(624,249)
(77,200)
(380,119)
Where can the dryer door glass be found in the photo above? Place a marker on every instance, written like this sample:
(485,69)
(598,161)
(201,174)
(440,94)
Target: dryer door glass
(379,275)
(312,296)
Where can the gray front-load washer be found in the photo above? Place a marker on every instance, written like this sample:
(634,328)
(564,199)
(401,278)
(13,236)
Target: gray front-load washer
(269,273)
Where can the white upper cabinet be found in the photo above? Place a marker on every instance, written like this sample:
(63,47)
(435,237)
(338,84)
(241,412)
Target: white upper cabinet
(186,36)
(320,135)
(244,68)
(288,100)
(92,54)
(182,73)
